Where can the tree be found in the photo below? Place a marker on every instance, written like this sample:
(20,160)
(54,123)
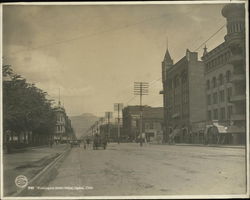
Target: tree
(25,107)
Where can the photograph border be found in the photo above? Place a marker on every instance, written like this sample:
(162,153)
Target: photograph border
(146,196)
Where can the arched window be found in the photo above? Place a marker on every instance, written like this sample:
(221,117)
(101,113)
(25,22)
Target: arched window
(221,79)
(228,76)
(214,82)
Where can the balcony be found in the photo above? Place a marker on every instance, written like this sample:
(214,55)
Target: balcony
(238,117)
(238,77)
(238,97)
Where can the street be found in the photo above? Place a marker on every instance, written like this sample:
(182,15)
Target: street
(128,169)
(27,162)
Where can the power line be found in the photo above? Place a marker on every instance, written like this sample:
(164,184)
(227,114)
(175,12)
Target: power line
(210,37)
(90,35)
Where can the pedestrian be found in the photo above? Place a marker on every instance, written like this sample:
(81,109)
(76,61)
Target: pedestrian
(84,144)
(50,143)
(88,142)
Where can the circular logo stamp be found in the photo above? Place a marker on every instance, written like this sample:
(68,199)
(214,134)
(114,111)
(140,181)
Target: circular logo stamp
(21,181)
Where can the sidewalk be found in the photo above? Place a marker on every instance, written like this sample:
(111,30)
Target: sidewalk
(27,162)
(211,145)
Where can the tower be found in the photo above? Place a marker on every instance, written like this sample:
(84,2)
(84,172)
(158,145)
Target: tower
(167,63)
(235,41)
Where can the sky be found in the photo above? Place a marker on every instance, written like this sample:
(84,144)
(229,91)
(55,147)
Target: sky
(95,53)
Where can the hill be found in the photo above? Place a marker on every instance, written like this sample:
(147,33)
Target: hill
(82,123)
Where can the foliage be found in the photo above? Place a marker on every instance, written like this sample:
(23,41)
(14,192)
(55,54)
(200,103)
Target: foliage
(25,107)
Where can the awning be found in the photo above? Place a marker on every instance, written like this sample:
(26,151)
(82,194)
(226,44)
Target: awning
(213,129)
(221,129)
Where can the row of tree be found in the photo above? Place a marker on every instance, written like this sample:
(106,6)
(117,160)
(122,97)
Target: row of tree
(25,108)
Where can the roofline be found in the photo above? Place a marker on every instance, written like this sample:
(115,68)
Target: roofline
(217,49)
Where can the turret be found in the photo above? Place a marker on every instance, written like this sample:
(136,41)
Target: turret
(235,15)
(167,63)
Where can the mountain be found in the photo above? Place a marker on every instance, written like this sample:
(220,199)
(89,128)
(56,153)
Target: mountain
(82,123)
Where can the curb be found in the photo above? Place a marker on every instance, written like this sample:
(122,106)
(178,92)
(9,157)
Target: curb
(217,146)
(42,175)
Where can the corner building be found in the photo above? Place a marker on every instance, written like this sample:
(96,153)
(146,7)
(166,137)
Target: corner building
(183,94)
(225,76)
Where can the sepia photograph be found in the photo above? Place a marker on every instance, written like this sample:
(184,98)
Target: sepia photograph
(125,100)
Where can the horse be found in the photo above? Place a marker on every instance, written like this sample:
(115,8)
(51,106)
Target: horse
(175,132)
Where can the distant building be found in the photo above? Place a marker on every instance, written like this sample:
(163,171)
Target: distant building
(63,129)
(111,132)
(183,94)
(225,76)
(151,123)
(130,116)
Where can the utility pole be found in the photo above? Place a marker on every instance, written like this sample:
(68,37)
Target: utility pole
(141,88)
(108,115)
(118,107)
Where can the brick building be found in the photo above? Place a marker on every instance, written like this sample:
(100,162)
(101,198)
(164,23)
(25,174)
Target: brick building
(151,123)
(183,94)
(225,76)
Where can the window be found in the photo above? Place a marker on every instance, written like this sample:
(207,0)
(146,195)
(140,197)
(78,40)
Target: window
(215,114)
(221,79)
(209,99)
(222,96)
(214,82)
(209,115)
(151,125)
(229,94)
(215,98)
(222,114)
(208,84)
(228,76)
(229,111)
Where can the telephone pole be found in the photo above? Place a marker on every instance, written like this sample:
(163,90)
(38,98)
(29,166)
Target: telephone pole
(118,107)
(141,88)
(108,115)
